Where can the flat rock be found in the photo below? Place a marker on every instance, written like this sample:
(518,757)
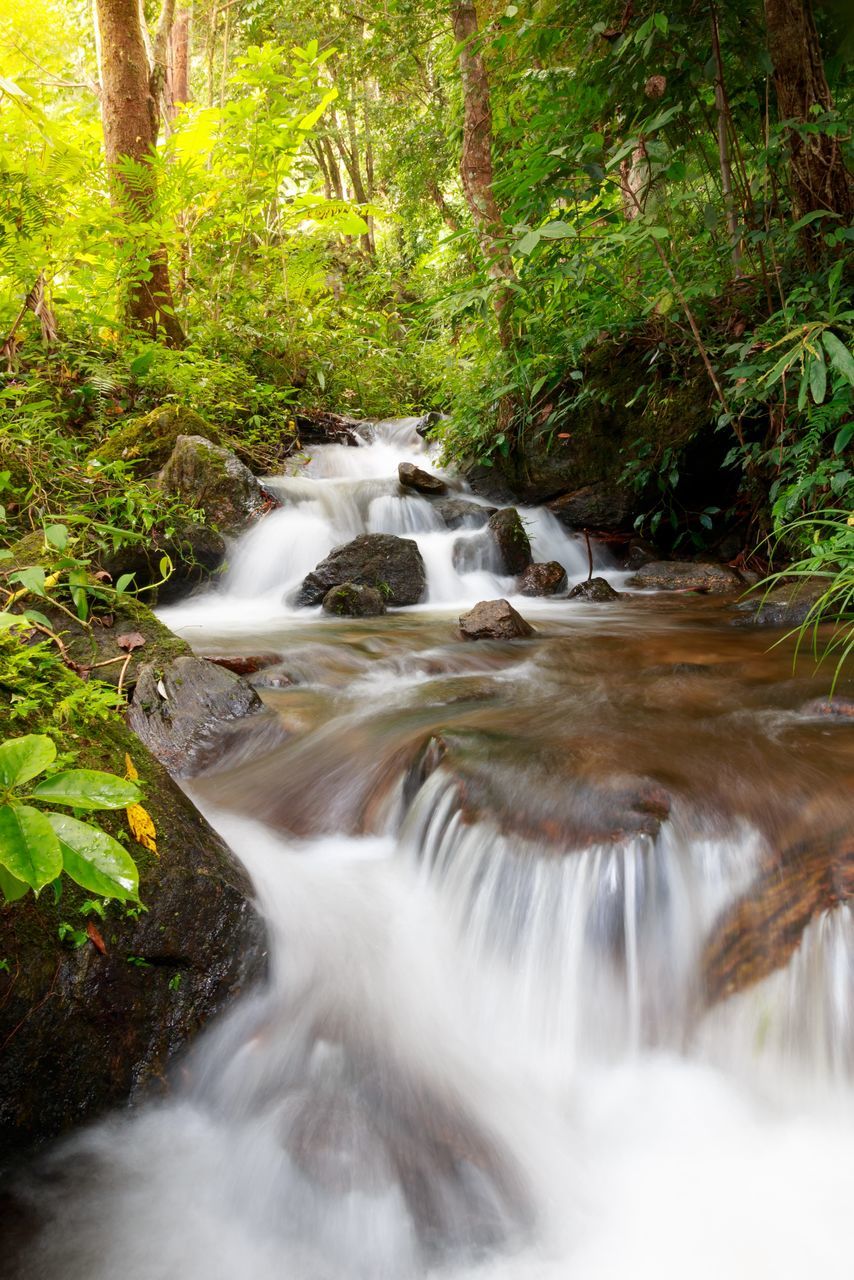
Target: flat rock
(412,477)
(680,575)
(352,600)
(494,620)
(511,540)
(597,590)
(788,605)
(206,476)
(546,579)
(392,565)
(595,506)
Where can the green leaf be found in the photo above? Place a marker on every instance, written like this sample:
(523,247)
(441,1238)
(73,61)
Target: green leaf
(527,244)
(8,620)
(12,887)
(141,365)
(28,846)
(24,758)
(818,378)
(843,437)
(33,579)
(840,357)
(57,536)
(87,789)
(93,859)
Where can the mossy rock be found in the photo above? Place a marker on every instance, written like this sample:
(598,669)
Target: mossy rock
(102,638)
(205,475)
(148,441)
(84,1030)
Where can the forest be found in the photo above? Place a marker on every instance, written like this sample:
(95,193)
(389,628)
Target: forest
(321,323)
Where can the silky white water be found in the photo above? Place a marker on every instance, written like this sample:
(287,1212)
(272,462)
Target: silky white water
(483,1050)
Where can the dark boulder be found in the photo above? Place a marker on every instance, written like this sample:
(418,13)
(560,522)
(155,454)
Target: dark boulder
(206,476)
(459,513)
(427,422)
(84,1029)
(351,600)
(392,565)
(638,553)
(183,712)
(543,579)
(494,620)
(597,590)
(508,533)
(195,550)
(412,477)
(788,605)
(602,506)
(678,575)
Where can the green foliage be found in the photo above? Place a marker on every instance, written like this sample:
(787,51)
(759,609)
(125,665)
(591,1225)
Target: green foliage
(38,845)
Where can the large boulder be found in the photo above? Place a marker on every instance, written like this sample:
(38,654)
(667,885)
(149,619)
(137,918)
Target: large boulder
(678,575)
(508,533)
(83,1029)
(149,440)
(412,477)
(787,605)
(460,513)
(351,600)
(392,565)
(543,579)
(183,712)
(206,476)
(597,590)
(603,505)
(494,620)
(196,551)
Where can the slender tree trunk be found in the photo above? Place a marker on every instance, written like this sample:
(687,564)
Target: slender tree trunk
(131,119)
(178,88)
(476,164)
(723,117)
(819,177)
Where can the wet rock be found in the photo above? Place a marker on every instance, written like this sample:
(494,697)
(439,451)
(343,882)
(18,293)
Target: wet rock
(207,476)
(835,708)
(245,665)
(494,620)
(426,422)
(602,506)
(638,553)
(597,590)
(788,605)
(392,565)
(459,513)
(475,552)
(762,930)
(677,575)
(182,711)
(352,600)
(84,1031)
(412,477)
(195,550)
(148,441)
(120,636)
(509,534)
(543,579)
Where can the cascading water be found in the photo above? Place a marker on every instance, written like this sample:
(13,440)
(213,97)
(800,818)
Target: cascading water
(500,881)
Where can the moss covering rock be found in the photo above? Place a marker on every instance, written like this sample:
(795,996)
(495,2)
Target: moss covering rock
(149,440)
(204,475)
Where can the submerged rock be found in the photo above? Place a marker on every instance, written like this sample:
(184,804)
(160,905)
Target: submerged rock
(83,1029)
(788,605)
(352,600)
(412,477)
(680,575)
(833,708)
(602,506)
(510,538)
(182,712)
(596,589)
(205,475)
(494,620)
(148,441)
(195,550)
(543,579)
(459,513)
(392,565)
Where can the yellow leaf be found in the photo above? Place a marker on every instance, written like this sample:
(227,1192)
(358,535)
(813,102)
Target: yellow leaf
(142,827)
(130,769)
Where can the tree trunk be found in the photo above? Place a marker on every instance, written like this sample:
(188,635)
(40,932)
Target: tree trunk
(819,177)
(179,63)
(724,162)
(476,164)
(131,118)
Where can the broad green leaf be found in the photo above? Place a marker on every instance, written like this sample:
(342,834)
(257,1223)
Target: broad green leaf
(818,378)
(29,848)
(12,887)
(527,244)
(840,357)
(93,859)
(143,363)
(57,536)
(24,758)
(33,579)
(843,437)
(8,620)
(87,789)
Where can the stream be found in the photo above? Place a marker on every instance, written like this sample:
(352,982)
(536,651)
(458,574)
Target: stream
(513,890)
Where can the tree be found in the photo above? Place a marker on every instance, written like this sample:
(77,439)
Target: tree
(819,177)
(476,164)
(131,88)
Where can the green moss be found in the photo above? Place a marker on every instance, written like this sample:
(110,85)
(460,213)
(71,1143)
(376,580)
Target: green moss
(149,440)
